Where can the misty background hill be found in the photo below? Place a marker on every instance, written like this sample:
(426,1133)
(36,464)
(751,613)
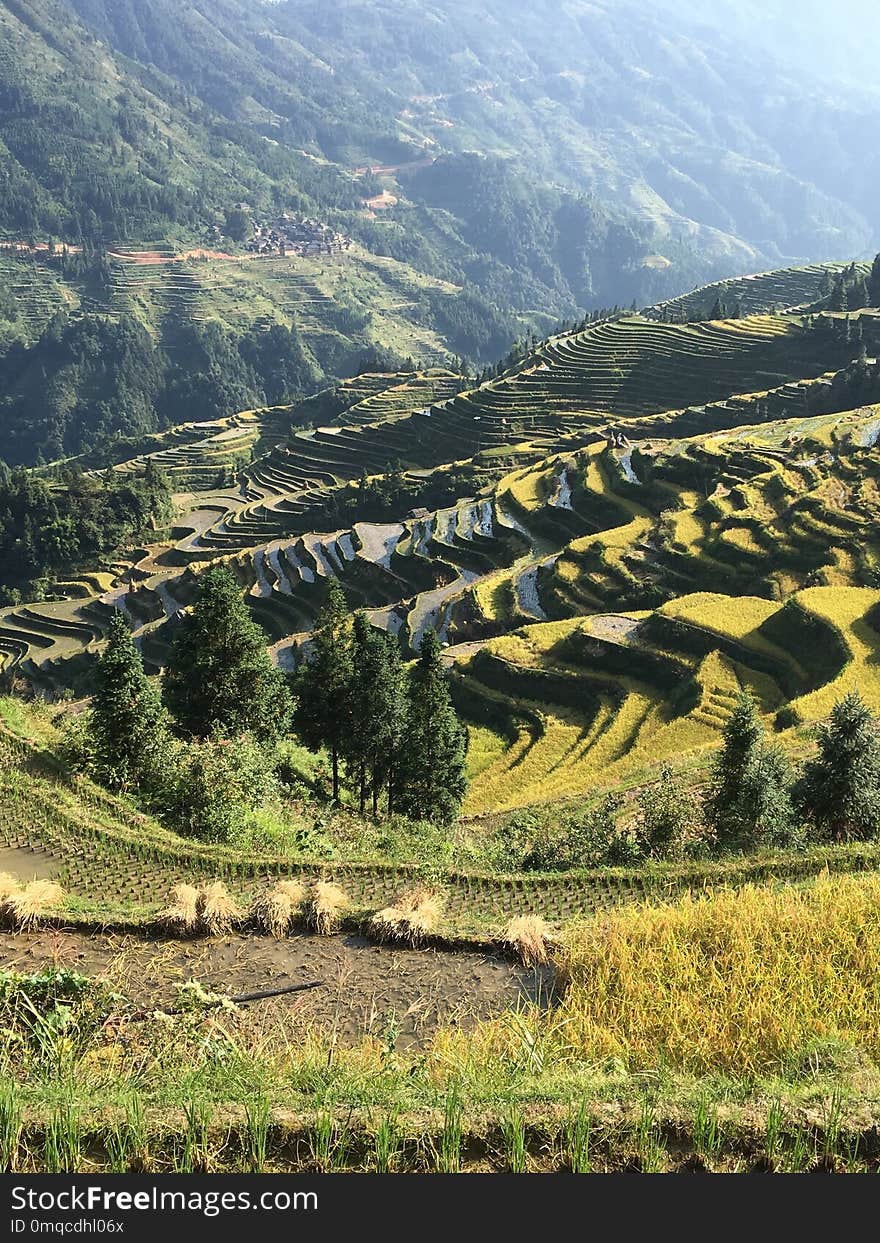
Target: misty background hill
(494,170)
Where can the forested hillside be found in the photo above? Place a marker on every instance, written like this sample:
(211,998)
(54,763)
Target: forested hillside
(211,206)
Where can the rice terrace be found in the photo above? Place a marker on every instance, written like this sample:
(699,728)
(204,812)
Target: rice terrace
(660,518)
(439,706)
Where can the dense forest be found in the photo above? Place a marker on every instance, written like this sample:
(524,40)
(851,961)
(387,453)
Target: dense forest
(48,529)
(87,382)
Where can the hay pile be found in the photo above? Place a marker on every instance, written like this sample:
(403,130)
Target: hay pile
(325,907)
(414,917)
(23,906)
(210,910)
(530,938)
(276,910)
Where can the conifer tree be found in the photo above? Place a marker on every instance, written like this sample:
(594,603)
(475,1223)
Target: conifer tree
(126,724)
(748,801)
(874,284)
(323,688)
(839,791)
(376,706)
(220,675)
(430,779)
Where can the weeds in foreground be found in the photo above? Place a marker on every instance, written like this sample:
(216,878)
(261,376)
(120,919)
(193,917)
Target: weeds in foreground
(513,1132)
(386,1144)
(195,1155)
(577,1139)
(10,1127)
(708,1139)
(125,1140)
(773,1133)
(62,1147)
(650,1152)
(328,1143)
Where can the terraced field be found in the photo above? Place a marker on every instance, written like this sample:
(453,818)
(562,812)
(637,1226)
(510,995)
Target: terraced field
(781,290)
(619,473)
(117,866)
(325,294)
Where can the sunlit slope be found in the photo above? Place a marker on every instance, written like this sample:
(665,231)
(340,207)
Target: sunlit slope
(616,473)
(585,705)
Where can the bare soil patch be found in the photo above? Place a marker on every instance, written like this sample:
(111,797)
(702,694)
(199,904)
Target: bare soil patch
(364,987)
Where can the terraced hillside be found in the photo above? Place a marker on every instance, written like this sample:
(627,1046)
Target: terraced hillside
(781,290)
(342,303)
(117,865)
(617,472)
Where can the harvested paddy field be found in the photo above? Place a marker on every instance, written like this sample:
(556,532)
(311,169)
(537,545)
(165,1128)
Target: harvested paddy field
(348,986)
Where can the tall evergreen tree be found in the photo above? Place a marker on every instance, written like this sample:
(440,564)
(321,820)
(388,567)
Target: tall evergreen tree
(377,707)
(874,284)
(220,675)
(430,778)
(748,802)
(323,688)
(839,791)
(126,724)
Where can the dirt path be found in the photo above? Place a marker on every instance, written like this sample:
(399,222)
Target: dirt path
(365,988)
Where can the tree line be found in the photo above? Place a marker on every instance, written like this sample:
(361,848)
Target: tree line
(85,383)
(198,746)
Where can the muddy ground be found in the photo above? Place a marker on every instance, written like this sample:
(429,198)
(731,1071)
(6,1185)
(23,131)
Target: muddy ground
(363,987)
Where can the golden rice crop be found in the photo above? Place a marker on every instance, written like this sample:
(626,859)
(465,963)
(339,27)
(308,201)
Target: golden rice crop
(218,912)
(733,981)
(530,937)
(23,908)
(276,908)
(325,906)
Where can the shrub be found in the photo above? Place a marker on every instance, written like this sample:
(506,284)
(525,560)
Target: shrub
(583,839)
(667,823)
(52,1012)
(221,782)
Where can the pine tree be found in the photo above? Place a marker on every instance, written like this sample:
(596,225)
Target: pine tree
(874,284)
(220,675)
(430,780)
(323,688)
(858,295)
(839,791)
(748,801)
(840,295)
(376,706)
(126,725)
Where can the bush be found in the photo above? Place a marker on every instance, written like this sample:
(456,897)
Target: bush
(52,1013)
(221,783)
(583,839)
(668,821)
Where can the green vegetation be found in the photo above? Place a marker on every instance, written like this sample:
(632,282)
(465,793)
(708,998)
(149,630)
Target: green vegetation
(762,1067)
(219,675)
(429,776)
(749,800)
(125,728)
(838,789)
(66,526)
